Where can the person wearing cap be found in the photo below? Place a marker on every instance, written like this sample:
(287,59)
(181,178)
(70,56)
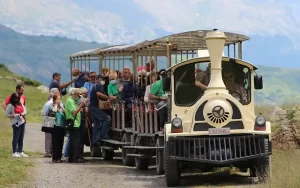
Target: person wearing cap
(72,111)
(55,83)
(157,93)
(80,77)
(98,115)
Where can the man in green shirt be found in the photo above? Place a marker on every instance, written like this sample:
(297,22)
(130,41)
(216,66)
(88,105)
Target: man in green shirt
(157,93)
(72,111)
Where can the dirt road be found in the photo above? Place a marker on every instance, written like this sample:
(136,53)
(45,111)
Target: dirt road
(97,173)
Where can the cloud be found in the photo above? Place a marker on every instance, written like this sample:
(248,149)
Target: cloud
(264,18)
(64,18)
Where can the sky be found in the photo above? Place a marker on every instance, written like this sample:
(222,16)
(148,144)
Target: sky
(272,25)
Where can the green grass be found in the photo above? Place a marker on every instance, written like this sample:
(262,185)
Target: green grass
(35,99)
(12,171)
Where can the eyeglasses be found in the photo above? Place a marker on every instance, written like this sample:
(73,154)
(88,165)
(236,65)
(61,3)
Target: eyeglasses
(93,76)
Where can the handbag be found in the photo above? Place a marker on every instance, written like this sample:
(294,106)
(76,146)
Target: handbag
(48,124)
(103,105)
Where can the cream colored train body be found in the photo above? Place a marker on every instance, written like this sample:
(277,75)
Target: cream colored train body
(213,128)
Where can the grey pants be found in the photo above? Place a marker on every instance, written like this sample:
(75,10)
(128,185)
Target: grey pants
(48,143)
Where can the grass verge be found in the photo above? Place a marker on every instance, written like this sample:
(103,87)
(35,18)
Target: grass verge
(12,171)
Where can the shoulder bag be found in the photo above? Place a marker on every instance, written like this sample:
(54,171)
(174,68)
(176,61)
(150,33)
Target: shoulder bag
(48,124)
(103,105)
(69,123)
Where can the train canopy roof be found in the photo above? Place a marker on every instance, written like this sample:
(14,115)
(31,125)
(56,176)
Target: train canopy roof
(187,41)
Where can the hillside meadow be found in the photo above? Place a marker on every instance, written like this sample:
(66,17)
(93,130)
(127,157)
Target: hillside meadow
(14,171)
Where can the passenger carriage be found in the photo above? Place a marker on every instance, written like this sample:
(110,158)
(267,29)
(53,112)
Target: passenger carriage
(205,128)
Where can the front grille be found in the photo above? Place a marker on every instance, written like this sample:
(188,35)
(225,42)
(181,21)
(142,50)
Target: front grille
(219,149)
(232,125)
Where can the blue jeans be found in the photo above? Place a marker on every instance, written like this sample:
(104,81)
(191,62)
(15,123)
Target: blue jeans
(66,150)
(99,117)
(18,137)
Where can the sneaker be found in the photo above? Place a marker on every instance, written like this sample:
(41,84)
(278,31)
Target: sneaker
(48,155)
(16,155)
(23,154)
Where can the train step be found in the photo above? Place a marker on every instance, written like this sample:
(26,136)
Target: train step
(144,147)
(115,142)
(138,155)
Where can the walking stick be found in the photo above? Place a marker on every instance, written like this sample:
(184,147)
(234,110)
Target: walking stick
(89,134)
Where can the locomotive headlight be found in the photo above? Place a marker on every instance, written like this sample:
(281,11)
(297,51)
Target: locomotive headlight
(260,120)
(176,122)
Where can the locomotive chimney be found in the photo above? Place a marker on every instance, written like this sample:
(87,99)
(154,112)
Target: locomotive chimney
(215,41)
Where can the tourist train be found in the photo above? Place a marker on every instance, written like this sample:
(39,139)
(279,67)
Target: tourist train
(208,125)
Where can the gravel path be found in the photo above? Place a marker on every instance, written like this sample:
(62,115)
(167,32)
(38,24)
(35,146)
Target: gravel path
(97,173)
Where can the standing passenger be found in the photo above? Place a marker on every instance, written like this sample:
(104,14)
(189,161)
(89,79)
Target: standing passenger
(48,136)
(89,85)
(55,83)
(73,112)
(98,115)
(58,132)
(81,77)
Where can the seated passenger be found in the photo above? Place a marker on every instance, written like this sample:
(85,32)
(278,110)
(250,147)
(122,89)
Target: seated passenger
(142,82)
(112,90)
(157,93)
(127,92)
(236,90)
(203,78)
(154,78)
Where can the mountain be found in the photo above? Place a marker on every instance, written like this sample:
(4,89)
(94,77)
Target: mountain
(38,57)
(281,86)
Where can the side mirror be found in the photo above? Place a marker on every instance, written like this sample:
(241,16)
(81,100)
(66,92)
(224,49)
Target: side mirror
(258,82)
(166,83)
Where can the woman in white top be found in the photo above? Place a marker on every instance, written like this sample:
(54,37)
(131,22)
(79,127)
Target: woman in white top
(16,111)
(154,78)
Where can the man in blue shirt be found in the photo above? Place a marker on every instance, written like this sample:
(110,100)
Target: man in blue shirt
(89,85)
(81,77)
(55,83)
(98,115)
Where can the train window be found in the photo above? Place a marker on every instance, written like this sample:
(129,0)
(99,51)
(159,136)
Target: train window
(190,82)
(187,91)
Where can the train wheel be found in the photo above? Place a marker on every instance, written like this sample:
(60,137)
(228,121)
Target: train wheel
(95,151)
(127,160)
(261,167)
(107,154)
(160,156)
(142,163)
(172,169)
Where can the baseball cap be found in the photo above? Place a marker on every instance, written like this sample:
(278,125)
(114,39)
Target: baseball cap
(161,71)
(100,76)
